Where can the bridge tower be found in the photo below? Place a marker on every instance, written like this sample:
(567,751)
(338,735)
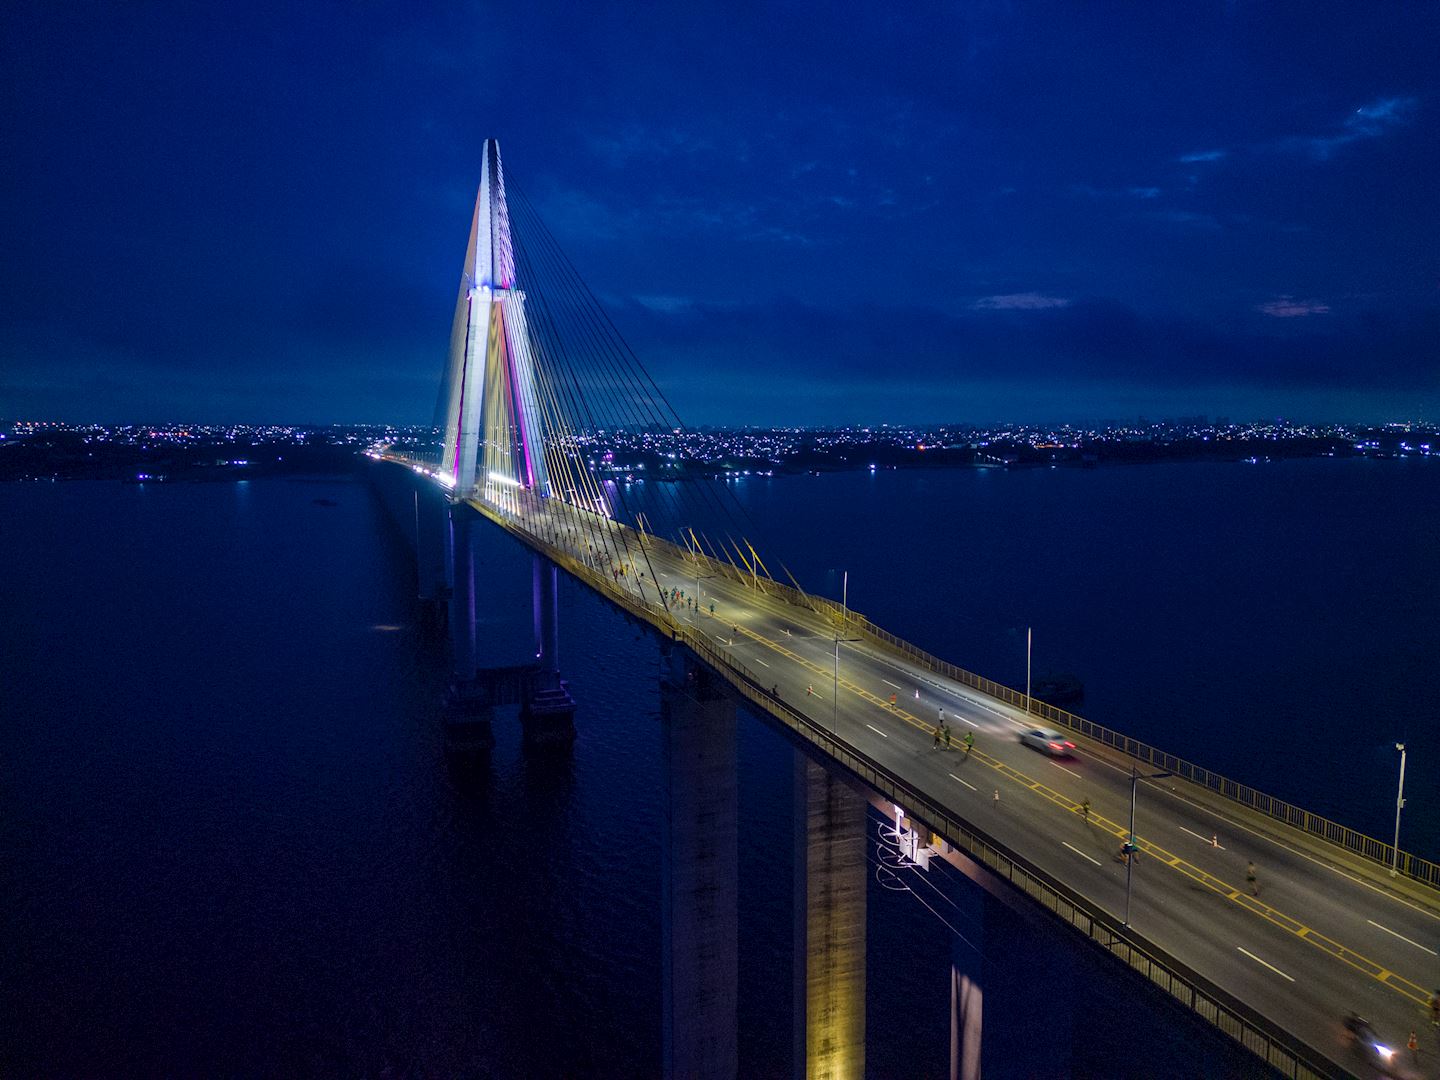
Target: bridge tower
(494,436)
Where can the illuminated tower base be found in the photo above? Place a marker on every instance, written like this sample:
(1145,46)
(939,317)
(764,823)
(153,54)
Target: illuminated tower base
(831,876)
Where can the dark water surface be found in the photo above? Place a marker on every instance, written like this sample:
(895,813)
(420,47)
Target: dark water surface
(229,844)
(1278,623)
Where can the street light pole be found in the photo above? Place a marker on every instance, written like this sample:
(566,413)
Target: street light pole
(1399,805)
(1027,671)
(1135,779)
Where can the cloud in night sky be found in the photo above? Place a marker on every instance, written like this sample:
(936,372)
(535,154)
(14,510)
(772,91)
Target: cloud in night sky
(1367,122)
(220,212)
(1287,307)
(1029,301)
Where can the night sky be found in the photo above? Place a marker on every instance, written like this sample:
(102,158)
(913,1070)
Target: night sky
(795,213)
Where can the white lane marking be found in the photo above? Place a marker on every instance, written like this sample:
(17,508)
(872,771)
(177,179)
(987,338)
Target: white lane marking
(1402,937)
(1209,840)
(1272,967)
(1062,768)
(721,640)
(759,661)
(971,786)
(1082,854)
(877,731)
(959,694)
(1237,824)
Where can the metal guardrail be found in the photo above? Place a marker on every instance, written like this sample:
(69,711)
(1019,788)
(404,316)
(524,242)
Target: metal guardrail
(1272,1044)
(1412,866)
(1415,867)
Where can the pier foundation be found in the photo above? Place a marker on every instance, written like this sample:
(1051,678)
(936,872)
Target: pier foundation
(831,876)
(699,888)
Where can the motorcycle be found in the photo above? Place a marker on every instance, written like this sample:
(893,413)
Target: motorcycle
(1374,1051)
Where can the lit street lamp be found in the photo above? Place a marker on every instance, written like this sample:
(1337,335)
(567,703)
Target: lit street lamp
(835,686)
(1027,671)
(1135,779)
(1399,805)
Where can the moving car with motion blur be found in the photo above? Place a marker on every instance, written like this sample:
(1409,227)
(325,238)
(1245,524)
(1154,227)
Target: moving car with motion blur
(1048,741)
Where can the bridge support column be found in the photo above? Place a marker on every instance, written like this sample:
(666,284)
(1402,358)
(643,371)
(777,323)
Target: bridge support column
(468,705)
(432,554)
(1012,987)
(831,876)
(548,714)
(699,888)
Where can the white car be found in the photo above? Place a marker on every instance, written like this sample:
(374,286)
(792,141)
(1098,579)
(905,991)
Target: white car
(1048,741)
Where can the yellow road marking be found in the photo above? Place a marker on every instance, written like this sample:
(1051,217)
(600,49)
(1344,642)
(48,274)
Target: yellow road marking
(1272,915)
(1275,917)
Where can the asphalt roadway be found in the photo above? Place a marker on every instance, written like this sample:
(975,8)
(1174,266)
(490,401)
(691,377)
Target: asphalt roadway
(1328,932)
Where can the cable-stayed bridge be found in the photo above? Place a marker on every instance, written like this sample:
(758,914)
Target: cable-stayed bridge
(1260,924)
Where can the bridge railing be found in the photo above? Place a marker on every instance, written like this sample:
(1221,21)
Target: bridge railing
(1411,865)
(1252,1030)
(849,621)
(1280,1050)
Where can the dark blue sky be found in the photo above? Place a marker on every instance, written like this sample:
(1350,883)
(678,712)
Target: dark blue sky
(914,211)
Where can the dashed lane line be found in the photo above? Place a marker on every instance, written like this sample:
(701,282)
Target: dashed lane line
(1266,963)
(967,783)
(1274,916)
(877,731)
(1082,854)
(1402,937)
(1212,841)
(1381,974)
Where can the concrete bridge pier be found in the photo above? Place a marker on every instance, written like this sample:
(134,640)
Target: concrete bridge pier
(831,876)
(699,886)
(432,560)
(547,715)
(1012,991)
(469,705)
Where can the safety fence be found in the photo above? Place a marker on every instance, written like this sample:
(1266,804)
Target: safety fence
(1272,1044)
(1276,1047)
(1408,864)
(849,622)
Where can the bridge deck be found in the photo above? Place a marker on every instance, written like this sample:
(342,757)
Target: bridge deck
(1327,933)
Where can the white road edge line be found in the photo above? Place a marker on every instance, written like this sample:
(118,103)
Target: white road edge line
(1082,854)
(1272,967)
(971,786)
(1208,840)
(877,731)
(1402,937)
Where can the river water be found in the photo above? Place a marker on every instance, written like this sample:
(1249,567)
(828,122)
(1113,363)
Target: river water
(229,844)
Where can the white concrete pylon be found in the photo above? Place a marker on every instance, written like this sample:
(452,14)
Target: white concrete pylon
(490,324)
